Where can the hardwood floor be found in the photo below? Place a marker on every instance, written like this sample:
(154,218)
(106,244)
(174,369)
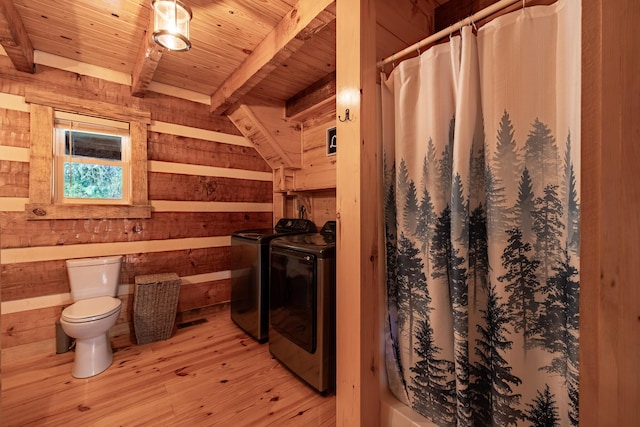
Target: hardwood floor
(209,374)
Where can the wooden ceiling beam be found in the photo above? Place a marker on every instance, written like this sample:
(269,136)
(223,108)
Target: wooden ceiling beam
(278,143)
(303,21)
(318,94)
(14,38)
(149,55)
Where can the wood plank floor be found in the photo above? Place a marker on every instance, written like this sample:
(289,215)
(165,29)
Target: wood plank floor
(209,374)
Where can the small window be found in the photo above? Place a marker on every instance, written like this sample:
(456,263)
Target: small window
(91,160)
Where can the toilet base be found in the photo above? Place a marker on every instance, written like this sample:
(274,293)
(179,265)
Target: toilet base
(93,356)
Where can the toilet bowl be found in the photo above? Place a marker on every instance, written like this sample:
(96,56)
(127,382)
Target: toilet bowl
(89,321)
(93,283)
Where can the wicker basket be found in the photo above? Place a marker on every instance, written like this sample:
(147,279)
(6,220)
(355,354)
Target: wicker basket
(155,301)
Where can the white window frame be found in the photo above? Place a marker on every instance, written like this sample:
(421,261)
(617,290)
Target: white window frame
(68,121)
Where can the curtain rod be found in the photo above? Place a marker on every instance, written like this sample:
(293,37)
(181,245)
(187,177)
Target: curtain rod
(487,11)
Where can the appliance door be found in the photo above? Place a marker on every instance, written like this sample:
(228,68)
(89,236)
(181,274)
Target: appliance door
(293,296)
(247,274)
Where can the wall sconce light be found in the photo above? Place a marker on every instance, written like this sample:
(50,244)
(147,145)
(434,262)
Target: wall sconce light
(171,24)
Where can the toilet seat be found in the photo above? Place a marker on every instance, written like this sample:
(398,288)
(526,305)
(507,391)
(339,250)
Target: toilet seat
(91,309)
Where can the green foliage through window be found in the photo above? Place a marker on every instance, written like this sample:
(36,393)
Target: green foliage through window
(91,181)
(92,160)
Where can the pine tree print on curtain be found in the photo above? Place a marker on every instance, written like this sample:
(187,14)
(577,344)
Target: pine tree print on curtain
(482,223)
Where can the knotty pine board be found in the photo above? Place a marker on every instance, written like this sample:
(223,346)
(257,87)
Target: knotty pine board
(177,187)
(33,279)
(14,179)
(162,225)
(178,149)
(319,176)
(14,128)
(196,295)
(183,263)
(163,108)
(318,170)
(28,326)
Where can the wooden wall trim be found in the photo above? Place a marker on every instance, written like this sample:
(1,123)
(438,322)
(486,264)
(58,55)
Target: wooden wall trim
(205,134)
(41,205)
(139,186)
(591,205)
(610,230)
(85,106)
(357,305)
(47,211)
(41,154)
(135,248)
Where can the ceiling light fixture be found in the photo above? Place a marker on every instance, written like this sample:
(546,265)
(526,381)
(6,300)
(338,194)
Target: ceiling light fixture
(171,24)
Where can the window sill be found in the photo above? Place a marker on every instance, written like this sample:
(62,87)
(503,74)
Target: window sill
(43,211)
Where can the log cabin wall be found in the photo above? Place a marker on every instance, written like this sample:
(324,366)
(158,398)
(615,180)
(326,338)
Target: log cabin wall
(204,182)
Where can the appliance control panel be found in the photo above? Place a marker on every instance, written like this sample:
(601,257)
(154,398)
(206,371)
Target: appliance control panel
(295,224)
(329,228)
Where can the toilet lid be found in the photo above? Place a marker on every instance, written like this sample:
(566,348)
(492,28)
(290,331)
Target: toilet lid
(90,309)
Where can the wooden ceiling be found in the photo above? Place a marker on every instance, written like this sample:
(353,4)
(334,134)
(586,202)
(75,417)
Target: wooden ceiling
(265,49)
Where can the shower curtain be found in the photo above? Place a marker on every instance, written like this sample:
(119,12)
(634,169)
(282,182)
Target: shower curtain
(481,140)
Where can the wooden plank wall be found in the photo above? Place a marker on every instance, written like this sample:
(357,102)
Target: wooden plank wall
(314,185)
(318,169)
(205,181)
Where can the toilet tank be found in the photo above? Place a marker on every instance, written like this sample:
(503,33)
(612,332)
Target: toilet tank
(94,277)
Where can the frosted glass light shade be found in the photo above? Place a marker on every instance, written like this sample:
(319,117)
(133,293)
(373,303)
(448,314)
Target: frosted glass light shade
(171,24)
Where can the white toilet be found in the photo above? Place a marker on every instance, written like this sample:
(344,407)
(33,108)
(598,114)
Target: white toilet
(94,285)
